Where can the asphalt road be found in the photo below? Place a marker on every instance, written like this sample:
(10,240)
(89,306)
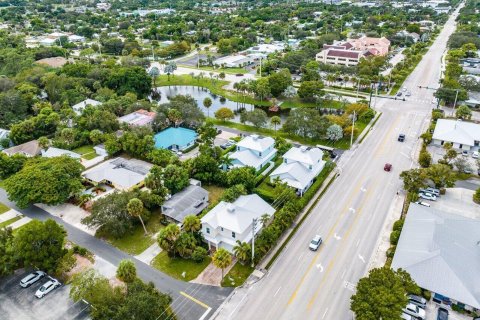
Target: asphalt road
(190,301)
(318,285)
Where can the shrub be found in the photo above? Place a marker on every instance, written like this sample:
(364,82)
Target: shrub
(67,262)
(199,254)
(476,196)
(398,225)
(394,236)
(391,251)
(80,250)
(425,159)
(127,272)
(427,294)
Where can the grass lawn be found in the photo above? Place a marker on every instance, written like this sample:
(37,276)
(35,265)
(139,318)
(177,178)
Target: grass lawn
(214,192)
(224,70)
(3,208)
(8,222)
(87,152)
(175,267)
(136,242)
(237,275)
(298,103)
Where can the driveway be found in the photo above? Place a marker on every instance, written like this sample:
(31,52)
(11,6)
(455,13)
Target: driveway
(20,303)
(190,301)
(432,310)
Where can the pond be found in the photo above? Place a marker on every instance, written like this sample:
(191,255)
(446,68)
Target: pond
(200,93)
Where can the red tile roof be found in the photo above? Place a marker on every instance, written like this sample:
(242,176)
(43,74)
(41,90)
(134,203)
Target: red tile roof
(344,54)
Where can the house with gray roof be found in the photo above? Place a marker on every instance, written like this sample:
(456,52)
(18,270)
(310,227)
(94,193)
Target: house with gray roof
(462,134)
(441,252)
(57,152)
(190,201)
(120,173)
(79,107)
(28,149)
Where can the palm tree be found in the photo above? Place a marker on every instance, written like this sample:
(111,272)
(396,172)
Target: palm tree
(207,103)
(167,238)
(222,259)
(226,162)
(185,244)
(275,120)
(135,209)
(154,73)
(242,251)
(192,223)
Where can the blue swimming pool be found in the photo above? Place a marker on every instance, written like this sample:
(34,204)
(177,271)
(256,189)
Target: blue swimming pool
(175,138)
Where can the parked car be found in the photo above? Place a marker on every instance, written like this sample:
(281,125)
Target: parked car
(47,287)
(465,153)
(401,137)
(404,89)
(417,300)
(425,204)
(32,278)
(435,192)
(227,144)
(475,154)
(405,316)
(467,170)
(414,311)
(315,243)
(387,167)
(427,196)
(442,314)
(408,94)
(399,94)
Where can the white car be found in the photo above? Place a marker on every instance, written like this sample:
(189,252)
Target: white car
(47,287)
(315,243)
(465,153)
(423,203)
(414,311)
(32,278)
(404,89)
(428,196)
(475,154)
(405,316)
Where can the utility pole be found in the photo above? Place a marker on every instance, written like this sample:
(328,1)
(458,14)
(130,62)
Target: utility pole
(455,102)
(371,92)
(153,54)
(254,224)
(353,129)
(261,58)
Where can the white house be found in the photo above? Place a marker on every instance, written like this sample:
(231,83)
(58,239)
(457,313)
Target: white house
(234,61)
(228,222)
(78,108)
(300,167)
(463,135)
(254,151)
(57,152)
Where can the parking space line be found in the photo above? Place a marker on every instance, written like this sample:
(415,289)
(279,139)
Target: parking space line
(194,300)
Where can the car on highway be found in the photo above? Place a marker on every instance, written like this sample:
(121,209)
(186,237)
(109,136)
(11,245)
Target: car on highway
(408,94)
(427,196)
(401,137)
(47,287)
(32,278)
(404,89)
(414,311)
(417,300)
(399,94)
(315,243)
(475,154)
(442,314)
(387,167)
(423,203)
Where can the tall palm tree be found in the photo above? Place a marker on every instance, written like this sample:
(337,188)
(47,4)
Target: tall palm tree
(275,120)
(222,259)
(192,223)
(207,103)
(135,209)
(242,251)
(226,162)
(185,244)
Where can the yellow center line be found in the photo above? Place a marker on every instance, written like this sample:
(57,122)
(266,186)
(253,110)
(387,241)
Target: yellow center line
(386,137)
(194,300)
(345,237)
(330,233)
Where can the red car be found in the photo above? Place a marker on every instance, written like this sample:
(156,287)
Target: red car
(388,167)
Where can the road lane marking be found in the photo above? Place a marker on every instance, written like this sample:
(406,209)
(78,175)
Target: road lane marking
(276,292)
(332,262)
(337,237)
(351,210)
(330,233)
(358,242)
(349,285)
(319,266)
(300,257)
(325,313)
(386,137)
(205,314)
(361,258)
(343,273)
(194,300)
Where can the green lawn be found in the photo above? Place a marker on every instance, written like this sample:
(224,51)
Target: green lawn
(3,208)
(87,152)
(237,275)
(175,267)
(136,242)
(224,70)
(214,192)
(298,103)
(8,222)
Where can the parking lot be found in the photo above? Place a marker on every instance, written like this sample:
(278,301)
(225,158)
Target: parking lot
(432,310)
(17,303)
(438,152)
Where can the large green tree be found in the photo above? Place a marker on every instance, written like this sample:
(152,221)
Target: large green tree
(7,257)
(175,178)
(45,180)
(383,294)
(126,271)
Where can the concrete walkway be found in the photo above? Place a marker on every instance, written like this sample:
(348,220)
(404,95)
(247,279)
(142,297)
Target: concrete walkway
(10,214)
(70,214)
(149,254)
(19,223)
(212,275)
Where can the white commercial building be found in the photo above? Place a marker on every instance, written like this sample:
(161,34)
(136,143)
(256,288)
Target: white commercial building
(463,135)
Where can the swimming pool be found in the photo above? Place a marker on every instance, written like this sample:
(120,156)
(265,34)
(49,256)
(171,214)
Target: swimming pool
(175,138)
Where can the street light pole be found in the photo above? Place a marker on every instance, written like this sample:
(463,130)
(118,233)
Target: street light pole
(353,129)
(254,223)
(455,102)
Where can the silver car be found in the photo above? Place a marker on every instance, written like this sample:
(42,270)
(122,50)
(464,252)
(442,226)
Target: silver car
(32,278)
(47,287)
(315,243)
(427,196)
(414,311)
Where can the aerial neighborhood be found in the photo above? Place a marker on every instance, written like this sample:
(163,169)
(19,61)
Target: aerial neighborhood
(186,159)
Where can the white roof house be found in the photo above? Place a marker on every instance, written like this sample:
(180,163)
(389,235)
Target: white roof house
(441,252)
(228,222)
(254,151)
(234,61)
(56,152)
(121,173)
(463,135)
(78,108)
(300,167)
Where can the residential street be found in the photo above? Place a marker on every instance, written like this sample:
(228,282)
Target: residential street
(185,307)
(303,284)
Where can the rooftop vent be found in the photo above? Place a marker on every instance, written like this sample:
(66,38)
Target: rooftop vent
(254,136)
(230,208)
(303,148)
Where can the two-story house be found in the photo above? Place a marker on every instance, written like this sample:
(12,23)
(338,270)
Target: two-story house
(228,222)
(301,165)
(254,151)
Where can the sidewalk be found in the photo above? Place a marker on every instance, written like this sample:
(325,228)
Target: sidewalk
(212,275)
(149,254)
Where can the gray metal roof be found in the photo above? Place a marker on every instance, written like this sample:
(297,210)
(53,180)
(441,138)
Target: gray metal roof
(191,200)
(441,251)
